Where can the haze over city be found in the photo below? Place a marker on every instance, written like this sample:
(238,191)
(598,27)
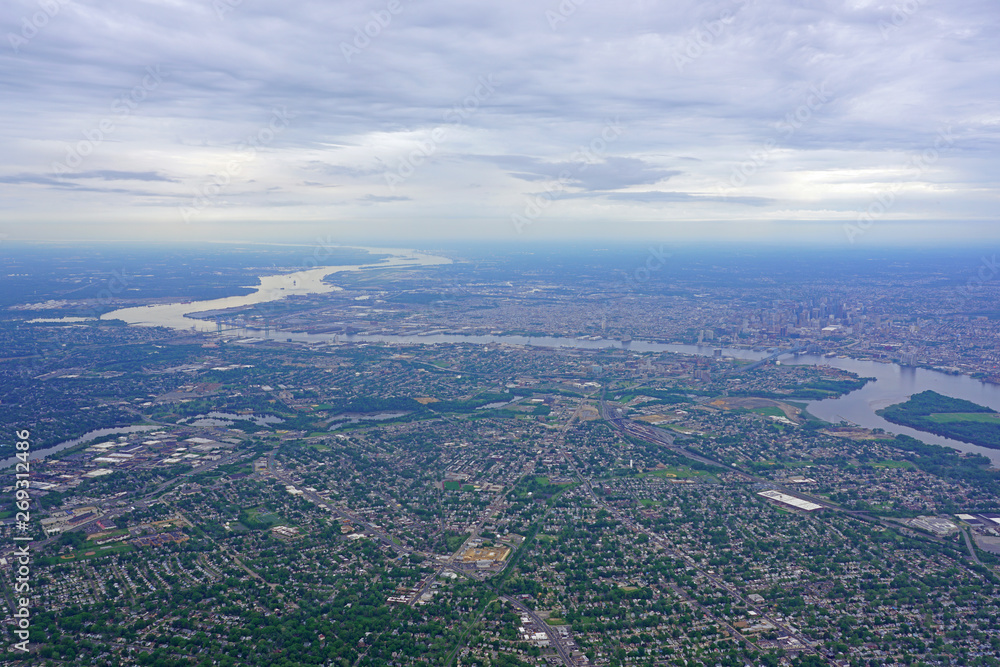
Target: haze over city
(838,123)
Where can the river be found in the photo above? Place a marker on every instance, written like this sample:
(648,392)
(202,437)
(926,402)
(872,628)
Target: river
(271,288)
(893,383)
(90,435)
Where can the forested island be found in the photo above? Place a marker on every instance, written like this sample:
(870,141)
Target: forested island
(949,417)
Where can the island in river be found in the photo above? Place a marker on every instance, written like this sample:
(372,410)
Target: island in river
(949,417)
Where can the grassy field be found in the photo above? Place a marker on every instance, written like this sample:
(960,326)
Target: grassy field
(542,480)
(679,472)
(894,464)
(674,427)
(769,411)
(107,534)
(948,417)
(90,552)
(268,518)
(452,486)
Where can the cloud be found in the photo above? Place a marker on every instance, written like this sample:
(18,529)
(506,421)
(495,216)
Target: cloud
(379,199)
(68,180)
(660,196)
(606,174)
(39,179)
(111,175)
(786,95)
(656,197)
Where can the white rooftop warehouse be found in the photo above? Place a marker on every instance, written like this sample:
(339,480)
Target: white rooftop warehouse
(784,498)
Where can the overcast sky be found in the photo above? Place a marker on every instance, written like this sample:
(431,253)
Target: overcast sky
(841,122)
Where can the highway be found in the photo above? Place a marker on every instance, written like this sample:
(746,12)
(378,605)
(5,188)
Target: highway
(661,437)
(489,512)
(972,549)
(369,528)
(656,435)
(377,533)
(554,639)
(649,433)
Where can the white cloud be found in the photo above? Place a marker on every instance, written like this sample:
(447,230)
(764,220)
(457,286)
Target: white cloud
(702,91)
